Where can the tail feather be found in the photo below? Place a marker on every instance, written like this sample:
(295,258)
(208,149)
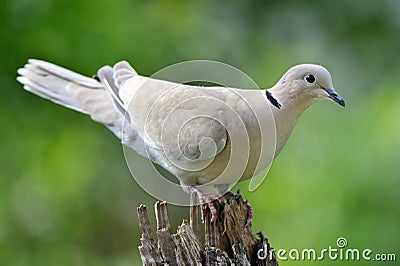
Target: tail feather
(71,90)
(99,99)
(65,73)
(51,82)
(34,79)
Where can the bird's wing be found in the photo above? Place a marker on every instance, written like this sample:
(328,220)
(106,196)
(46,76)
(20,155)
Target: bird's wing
(113,80)
(155,114)
(177,121)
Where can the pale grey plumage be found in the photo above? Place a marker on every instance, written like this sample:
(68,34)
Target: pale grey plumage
(154,117)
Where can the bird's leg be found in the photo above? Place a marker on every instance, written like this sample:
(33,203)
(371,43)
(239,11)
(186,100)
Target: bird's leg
(206,200)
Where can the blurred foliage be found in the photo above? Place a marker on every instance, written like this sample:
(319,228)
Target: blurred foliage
(66,196)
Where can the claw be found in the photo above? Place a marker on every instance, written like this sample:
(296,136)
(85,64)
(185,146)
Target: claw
(207,200)
(250,214)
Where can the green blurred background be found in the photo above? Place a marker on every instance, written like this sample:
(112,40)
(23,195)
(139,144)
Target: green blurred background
(66,195)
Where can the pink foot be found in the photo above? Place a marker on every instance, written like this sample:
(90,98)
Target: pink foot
(250,214)
(206,200)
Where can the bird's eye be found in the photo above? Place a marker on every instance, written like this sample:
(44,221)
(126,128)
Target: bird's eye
(309,78)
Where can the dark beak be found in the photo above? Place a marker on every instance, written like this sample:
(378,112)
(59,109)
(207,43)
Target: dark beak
(334,96)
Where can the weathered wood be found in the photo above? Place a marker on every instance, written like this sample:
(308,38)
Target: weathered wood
(211,235)
(235,223)
(228,241)
(195,215)
(188,246)
(216,256)
(164,235)
(148,250)
(240,255)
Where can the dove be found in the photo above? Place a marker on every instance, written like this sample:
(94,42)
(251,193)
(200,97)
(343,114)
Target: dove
(194,132)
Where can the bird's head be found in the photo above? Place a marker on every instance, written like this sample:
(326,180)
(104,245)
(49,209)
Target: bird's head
(307,83)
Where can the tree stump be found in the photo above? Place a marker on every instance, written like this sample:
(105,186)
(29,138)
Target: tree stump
(227,241)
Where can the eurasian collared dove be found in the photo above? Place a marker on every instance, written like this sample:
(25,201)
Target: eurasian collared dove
(191,131)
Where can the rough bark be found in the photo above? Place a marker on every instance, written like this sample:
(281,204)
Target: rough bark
(227,241)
